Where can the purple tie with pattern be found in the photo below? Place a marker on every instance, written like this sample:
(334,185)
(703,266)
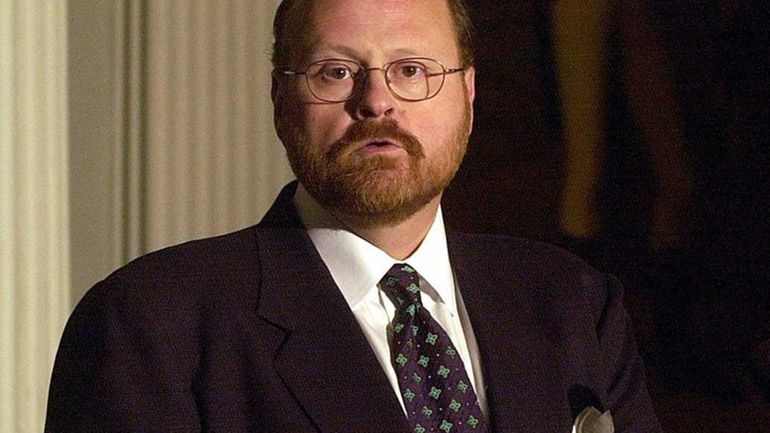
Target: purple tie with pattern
(437,393)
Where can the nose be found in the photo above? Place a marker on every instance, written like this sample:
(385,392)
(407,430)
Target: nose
(374,98)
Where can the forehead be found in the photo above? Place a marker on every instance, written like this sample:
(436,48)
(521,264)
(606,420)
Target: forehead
(375,29)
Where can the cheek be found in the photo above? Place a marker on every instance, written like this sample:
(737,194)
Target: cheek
(324,125)
(434,126)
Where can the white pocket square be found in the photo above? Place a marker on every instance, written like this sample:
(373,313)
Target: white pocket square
(591,420)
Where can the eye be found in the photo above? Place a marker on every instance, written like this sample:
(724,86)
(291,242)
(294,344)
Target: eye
(409,70)
(336,72)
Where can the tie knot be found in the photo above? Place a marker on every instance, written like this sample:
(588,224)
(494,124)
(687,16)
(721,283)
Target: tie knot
(402,285)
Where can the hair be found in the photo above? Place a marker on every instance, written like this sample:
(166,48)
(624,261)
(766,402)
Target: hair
(284,18)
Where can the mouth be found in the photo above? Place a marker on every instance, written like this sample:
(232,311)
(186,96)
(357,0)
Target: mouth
(379,145)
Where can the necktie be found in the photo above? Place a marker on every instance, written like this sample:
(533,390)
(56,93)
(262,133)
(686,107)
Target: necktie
(437,393)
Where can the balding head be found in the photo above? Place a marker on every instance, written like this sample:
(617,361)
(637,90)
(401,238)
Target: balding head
(288,30)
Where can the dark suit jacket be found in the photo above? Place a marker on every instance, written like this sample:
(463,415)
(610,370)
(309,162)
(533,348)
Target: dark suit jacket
(247,332)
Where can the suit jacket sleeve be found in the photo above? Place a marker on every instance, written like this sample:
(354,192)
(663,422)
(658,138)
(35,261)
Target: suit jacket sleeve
(626,394)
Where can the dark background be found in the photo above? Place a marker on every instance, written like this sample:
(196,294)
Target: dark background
(701,312)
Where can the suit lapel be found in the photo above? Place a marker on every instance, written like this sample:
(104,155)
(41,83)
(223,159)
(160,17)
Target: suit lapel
(517,360)
(325,351)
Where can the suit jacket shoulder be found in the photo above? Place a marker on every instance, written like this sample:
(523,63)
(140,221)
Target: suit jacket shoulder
(133,348)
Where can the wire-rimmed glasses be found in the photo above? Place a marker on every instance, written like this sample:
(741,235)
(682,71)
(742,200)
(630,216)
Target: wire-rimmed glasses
(409,79)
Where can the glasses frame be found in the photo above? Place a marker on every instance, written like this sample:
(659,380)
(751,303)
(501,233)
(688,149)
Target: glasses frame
(362,75)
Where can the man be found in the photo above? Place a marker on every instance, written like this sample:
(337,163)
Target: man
(348,308)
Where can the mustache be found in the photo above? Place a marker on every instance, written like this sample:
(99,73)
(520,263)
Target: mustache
(386,129)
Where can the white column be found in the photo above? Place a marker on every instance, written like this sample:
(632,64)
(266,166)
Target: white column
(34,218)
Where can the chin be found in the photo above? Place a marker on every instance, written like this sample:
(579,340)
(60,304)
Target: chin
(379,198)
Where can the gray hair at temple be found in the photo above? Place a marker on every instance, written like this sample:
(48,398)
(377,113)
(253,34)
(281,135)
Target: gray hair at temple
(284,18)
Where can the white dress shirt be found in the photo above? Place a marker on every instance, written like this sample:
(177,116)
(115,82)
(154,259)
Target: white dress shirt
(357,266)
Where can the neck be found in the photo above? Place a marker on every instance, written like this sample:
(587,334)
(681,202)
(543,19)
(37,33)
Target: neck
(401,239)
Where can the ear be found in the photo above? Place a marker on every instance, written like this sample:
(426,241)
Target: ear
(470,88)
(276,94)
(470,83)
(275,91)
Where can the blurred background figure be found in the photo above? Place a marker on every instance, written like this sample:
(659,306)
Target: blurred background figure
(666,155)
(614,76)
(586,37)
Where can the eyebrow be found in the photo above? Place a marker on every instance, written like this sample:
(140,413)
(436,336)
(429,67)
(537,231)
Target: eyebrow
(342,49)
(354,54)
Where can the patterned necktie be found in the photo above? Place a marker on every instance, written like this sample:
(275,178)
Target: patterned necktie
(437,393)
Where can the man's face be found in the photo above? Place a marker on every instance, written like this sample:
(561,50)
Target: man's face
(375,157)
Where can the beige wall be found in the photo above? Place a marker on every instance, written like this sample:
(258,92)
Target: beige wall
(171,133)
(93,84)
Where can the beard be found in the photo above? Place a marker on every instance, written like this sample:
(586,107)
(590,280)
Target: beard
(376,190)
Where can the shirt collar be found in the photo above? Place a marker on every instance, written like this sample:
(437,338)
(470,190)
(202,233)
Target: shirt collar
(357,265)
